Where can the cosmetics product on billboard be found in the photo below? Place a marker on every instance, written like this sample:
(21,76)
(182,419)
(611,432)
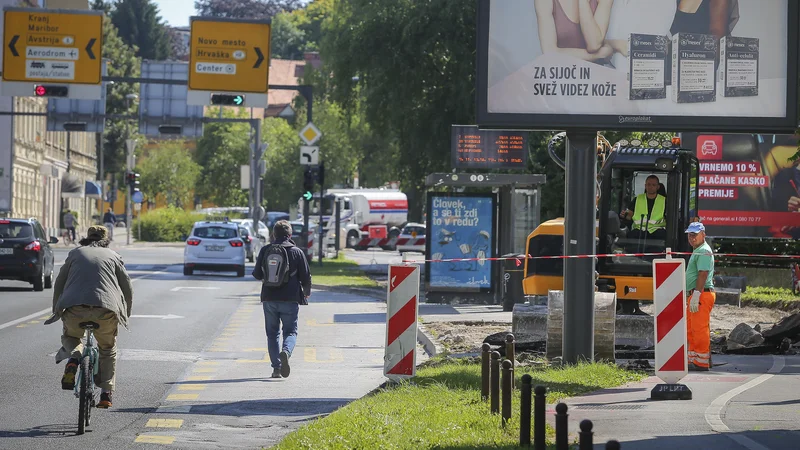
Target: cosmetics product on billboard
(647,66)
(738,67)
(693,76)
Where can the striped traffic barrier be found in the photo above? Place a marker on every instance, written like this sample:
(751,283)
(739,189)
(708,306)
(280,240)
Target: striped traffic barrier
(669,299)
(400,360)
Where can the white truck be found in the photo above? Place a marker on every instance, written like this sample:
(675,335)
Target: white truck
(360,208)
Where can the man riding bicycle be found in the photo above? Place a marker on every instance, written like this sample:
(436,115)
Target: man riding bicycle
(93,285)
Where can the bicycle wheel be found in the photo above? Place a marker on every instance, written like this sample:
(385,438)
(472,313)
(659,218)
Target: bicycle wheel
(84,398)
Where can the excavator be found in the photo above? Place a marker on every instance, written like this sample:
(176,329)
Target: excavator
(624,168)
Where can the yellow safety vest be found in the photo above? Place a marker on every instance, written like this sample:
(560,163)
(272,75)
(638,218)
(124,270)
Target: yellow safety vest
(657,220)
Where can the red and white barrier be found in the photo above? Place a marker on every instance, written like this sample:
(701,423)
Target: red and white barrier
(669,299)
(400,360)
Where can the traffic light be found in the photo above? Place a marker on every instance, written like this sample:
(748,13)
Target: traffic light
(321,175)
(41,90)
(226,99)
(132,179)
(308,179)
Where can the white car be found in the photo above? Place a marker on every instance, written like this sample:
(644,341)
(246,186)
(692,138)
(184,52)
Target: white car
(214,246)
(262,229)
(412,238)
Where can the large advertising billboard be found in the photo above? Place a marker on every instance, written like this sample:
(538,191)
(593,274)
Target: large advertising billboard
(748,186)
(460,226)
(719,65)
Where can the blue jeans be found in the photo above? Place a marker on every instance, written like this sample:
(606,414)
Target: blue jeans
(275,314)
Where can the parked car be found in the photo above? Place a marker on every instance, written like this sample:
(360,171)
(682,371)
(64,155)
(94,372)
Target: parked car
(252,241)
(260,229)
(25,253)
(214,246)
(298,228)
(412,238)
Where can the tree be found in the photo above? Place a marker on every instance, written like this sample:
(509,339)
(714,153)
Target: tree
(239,9)
(170,171)
(283,180)
(288,41)
(140,25)
(223,149)
(309,20)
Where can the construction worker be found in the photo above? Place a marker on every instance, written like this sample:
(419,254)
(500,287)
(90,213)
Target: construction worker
(647,216)
(700,292)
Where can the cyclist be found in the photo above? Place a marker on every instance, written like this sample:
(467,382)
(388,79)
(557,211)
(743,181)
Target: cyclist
(93,285)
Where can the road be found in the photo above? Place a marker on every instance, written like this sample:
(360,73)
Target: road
(193,370)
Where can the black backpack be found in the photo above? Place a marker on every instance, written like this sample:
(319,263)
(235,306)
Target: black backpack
(276,265)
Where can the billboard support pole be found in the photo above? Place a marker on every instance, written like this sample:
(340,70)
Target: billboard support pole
(579,239)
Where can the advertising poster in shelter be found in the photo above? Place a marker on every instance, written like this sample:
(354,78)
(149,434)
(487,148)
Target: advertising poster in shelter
(460,227)
(748,187)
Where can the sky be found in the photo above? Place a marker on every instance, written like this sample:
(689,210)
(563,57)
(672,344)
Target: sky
(176,12)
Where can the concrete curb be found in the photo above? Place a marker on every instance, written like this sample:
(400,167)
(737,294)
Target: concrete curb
(432,347)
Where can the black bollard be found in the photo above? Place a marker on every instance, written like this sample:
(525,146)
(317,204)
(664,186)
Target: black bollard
(510,353)
(525,411)
(586,441)
(613,445)
(494,378)
(485,350)
(539,419)
(562,430)
(508,376)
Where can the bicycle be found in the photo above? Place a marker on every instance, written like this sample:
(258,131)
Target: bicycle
(84,382)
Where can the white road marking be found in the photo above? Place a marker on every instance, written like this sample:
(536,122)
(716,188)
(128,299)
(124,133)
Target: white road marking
(178,288)
(714,411)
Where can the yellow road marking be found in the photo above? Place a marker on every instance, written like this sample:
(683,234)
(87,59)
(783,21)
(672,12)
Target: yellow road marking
(182,397)
(45,317)
(21,326)
(310,355)
(314,323)
(34,321)
(198,378)
(192,387)
(164,423)
(151,439)
(204,370)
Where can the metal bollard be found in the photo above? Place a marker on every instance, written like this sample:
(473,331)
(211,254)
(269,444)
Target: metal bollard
(539,419)
(508,377)
(485,350)
(494,378)
(525,411)
(510,355)
(586,440)
(613,445)
(562,431)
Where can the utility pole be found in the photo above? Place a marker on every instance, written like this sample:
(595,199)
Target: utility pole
(130,145)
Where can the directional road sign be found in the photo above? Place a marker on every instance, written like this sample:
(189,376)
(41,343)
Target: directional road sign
(310,134)
(52,48)
(309,156)
(229,57)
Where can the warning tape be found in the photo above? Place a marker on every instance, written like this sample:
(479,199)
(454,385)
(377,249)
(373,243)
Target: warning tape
(606,255)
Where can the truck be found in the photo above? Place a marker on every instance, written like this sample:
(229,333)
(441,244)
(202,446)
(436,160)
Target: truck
(360,208)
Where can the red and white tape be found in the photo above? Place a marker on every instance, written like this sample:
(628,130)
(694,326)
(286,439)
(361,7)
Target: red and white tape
(608,255)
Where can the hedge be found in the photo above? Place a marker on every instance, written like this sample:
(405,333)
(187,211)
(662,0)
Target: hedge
(168,224)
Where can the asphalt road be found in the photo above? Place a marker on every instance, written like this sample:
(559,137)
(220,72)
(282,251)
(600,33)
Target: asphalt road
(193,370)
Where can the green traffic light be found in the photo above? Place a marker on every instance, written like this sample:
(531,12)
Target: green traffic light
(238,99)
(307,195)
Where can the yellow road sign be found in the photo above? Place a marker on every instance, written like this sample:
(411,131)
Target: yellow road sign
(55,46)
(229,55)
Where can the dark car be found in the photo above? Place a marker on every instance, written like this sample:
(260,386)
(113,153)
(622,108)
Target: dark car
(274,216)
(25,253)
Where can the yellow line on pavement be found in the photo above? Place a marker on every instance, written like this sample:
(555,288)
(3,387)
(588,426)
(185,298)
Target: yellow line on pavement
(310,355)
(173,397)
(34,321)
(192,387)
(21,326)
(164,423)
(151,439)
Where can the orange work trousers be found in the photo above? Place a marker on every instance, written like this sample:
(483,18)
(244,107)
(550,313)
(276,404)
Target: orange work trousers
(698,330)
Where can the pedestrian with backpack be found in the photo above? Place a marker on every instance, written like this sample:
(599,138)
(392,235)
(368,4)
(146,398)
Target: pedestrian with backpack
(285,285)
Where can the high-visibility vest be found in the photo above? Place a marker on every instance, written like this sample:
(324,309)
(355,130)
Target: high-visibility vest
(657,220)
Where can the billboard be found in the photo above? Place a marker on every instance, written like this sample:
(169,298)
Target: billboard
(748,187)
(460,226)
(472,148)
(638,64)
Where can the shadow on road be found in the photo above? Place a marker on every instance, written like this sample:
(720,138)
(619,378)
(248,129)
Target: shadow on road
(265,407)
(43,431)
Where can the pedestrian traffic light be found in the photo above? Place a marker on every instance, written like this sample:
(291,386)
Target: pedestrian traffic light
(41,90)
(226,99)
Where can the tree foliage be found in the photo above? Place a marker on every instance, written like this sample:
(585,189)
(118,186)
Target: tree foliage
(169,171)
(288,41)
(284,177)
(140,25)
(238,9)
(223,149)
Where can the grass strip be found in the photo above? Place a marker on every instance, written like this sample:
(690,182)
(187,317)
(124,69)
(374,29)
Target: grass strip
(770,297)
(340,272)
(441,409)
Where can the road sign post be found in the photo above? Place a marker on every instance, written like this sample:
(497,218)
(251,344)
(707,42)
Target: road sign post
(52,53)
(229,58)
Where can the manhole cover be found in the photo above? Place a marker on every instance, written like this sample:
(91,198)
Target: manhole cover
(613,407)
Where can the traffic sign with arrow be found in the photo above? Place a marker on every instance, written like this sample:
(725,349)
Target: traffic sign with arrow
(309,156)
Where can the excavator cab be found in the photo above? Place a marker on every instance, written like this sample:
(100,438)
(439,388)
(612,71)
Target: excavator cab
(621,178)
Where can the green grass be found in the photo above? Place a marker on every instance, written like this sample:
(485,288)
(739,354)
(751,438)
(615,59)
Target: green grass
(768,297)
(441,409)
(340,272)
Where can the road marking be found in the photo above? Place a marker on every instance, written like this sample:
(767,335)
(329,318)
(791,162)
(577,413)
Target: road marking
(164,423)
(310,355)
(152,439)
(178,397)
(152,316)
(713,413)
(180,288)
(192,387)
(23,319)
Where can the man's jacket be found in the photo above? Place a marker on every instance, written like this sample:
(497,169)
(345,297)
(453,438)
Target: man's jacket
(109,218)
(298,285)
(93,276)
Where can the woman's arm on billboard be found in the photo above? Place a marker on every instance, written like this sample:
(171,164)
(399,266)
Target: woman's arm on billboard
(548,38)
(594,25)
(720,17)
